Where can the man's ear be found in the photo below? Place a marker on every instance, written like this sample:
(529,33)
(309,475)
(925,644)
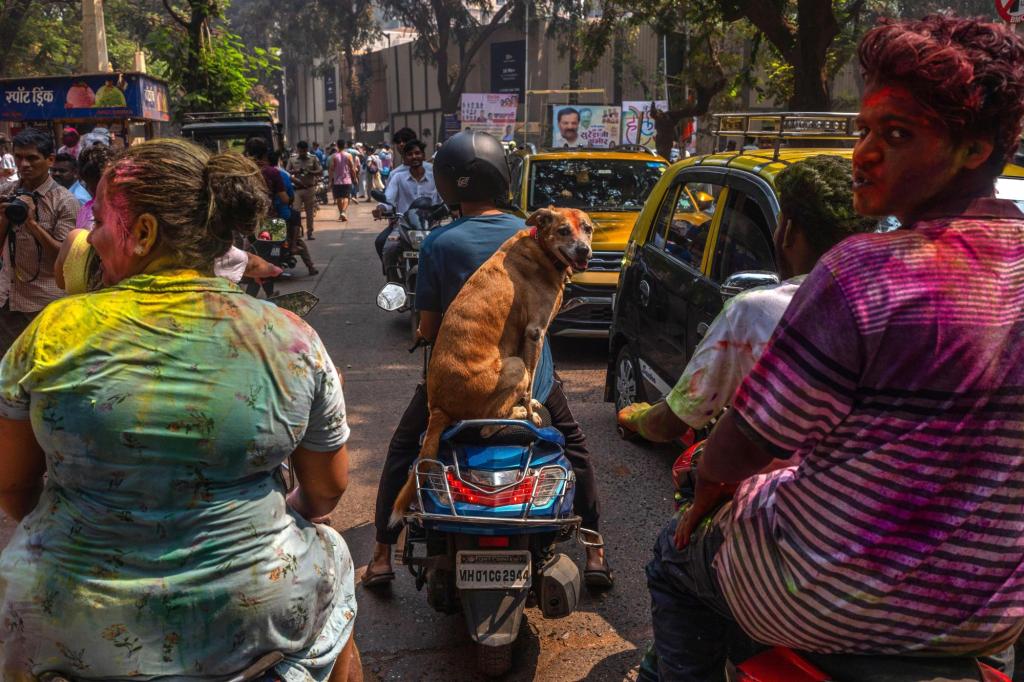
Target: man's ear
(145,232)
(977,153)
(541,217)
(789,231)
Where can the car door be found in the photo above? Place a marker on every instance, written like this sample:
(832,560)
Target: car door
(745,236)
(673,278)
(516,168)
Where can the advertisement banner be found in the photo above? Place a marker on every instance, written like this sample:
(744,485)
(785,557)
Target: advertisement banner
(330,90)
(508,67)
(637,124)
(583,125)
(98,97)
(491,113)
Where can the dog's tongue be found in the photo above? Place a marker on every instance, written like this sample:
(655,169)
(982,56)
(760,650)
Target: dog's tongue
(580,265)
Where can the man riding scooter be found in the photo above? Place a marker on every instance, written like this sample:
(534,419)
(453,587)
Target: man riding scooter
(896,379)
(448,257)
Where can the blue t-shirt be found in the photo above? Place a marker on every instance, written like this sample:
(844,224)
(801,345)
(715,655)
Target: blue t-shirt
(284,210)
(451,254)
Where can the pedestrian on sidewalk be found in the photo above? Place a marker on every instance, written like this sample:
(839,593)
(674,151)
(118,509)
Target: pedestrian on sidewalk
(305,170)
(343,173)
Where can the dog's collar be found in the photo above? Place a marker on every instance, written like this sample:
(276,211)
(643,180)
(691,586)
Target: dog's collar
(555,260)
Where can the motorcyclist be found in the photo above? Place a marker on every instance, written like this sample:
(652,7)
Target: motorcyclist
(895,377)
(471,171)
(817,213)
(402,191)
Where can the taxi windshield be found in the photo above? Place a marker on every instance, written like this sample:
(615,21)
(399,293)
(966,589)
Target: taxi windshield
(592,184)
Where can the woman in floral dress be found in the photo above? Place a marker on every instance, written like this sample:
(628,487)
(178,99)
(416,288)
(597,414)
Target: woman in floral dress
(161,544)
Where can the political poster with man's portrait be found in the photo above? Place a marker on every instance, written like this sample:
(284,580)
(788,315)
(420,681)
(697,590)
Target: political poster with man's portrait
(583,125)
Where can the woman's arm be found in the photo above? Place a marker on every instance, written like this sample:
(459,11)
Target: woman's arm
(21,476)
(322,478)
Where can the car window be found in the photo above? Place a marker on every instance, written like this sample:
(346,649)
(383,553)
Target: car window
(684,221)
(592,184)
(743,242)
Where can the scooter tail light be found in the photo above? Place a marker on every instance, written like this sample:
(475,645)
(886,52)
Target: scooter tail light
(522,493)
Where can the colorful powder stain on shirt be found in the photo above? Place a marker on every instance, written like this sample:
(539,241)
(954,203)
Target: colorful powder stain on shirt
(162,543)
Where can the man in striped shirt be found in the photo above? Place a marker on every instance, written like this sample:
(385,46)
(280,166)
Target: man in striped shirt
(896,376)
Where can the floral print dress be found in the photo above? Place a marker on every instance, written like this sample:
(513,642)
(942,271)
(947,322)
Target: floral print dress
(162,547)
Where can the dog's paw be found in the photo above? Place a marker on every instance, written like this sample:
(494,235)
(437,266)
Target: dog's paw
(536,404)
(536,419)
(519,412)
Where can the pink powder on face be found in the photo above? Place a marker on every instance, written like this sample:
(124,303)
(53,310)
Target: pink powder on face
(111,236)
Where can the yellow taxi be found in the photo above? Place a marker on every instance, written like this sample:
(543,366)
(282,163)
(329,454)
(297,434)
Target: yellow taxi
(677,271)
(611,186)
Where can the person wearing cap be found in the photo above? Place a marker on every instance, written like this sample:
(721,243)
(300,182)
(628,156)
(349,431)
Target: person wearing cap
(472,172)
(71,140)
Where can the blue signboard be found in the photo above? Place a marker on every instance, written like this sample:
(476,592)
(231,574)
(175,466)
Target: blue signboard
(102,96)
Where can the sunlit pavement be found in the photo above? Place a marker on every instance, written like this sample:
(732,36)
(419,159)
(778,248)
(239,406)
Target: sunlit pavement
(400,636)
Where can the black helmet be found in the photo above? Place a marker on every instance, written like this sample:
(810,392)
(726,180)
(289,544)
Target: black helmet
(471,166)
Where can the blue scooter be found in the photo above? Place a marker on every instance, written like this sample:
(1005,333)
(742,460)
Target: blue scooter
(491,509)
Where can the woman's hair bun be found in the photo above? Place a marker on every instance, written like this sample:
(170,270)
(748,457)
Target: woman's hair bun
(236,193)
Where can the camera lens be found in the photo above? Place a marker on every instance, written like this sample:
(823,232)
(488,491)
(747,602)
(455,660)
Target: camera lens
(16,212)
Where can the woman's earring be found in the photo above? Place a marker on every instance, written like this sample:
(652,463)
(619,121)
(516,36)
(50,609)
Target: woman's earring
(138,250)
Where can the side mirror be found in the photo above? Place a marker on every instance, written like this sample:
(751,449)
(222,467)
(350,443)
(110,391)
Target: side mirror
(299,302)
(391,297)
(741,281)
(378,196)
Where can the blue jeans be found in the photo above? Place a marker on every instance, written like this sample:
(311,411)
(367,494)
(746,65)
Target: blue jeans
(694,631)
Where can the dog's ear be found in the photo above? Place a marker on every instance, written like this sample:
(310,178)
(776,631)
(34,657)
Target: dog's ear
(542,216)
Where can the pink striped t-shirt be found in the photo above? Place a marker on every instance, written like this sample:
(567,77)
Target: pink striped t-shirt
(897,375)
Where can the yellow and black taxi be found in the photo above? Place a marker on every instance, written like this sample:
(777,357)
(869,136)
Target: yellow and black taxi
(611,186)
(681,264)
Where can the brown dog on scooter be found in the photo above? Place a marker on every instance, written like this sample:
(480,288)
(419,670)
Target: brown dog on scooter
(490,340)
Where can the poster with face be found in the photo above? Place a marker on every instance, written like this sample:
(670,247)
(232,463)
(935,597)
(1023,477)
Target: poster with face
(583,125)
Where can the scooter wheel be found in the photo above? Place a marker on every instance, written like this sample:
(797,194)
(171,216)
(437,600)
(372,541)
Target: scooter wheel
(493,661)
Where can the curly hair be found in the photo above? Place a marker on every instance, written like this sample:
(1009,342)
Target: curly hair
(816,194)
(199,201)
(969,72)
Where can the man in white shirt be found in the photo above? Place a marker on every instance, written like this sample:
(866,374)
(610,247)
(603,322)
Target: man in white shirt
(809,225)
(417,181)
(8,168)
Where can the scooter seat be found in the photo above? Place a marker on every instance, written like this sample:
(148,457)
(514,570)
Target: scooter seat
(862,668)
(516,435)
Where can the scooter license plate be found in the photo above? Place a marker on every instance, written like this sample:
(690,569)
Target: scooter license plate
(492,570)
(276,251)
(410,254)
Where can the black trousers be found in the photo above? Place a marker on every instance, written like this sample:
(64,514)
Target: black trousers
(405,446)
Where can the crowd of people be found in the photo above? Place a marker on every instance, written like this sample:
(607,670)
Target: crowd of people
(862,493)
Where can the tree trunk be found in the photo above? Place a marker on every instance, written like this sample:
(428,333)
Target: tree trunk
(817,28)
(10,25)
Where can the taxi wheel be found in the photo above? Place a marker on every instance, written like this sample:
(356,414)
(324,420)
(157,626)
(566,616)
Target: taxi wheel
(628,387)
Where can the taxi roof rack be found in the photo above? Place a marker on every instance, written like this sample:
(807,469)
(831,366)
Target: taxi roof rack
(250,115)
(783,126)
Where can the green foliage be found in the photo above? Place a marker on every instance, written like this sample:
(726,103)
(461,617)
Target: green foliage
(226,75)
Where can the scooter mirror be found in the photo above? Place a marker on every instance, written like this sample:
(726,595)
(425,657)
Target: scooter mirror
(299,302)
(391,297)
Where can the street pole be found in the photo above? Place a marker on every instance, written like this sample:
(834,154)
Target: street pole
(94,38)
(526,89)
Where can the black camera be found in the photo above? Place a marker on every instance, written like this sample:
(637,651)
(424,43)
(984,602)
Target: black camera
(16,210)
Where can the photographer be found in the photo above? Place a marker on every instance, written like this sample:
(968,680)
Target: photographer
(35,215)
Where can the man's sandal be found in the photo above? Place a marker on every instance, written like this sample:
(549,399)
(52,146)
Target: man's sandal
(599,579)
(371,579)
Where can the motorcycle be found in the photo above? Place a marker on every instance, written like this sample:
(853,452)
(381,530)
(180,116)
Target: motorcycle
(413,226)
(490,510)
(780,664)
(323,189)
